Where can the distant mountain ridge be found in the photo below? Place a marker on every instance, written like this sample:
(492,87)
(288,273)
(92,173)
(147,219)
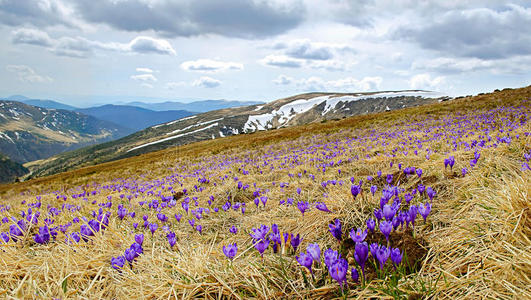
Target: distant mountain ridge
(291,111)
(29,133)
(133,117)
(198,106)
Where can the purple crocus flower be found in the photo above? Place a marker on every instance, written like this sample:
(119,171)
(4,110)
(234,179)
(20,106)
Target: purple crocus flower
(419,172)
(358,235)
(382,255)
(338,271)
(122,212)
(396,256)
(374,249)
(162,217)
(330,256)
(118,262)
(421,188)
(378,214)
(230,250)
(139,238)
(355,190)
(261,246)
(178,217)
(374,189)
(385,228)
(371,224)
(335,229)
(172,239)
(314,251)
(130,254)
(295,241)
(431,193)
(388,212)
(138,248)
(305,260)
(153,227)
(260,233)
(361,253)
(424,210)
(322,207)
(464,171)
(389,178)
(233,229)
(303,206)
(411,215)
(199,228)
(354,274)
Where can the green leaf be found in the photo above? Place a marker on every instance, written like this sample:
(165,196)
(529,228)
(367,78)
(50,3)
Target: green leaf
(64,284)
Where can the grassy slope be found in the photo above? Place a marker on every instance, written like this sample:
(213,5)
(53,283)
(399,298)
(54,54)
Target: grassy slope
(477,238)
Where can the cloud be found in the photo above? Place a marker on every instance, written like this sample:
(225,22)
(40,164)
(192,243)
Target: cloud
(144,77)
(306,49)
(426,82)
(27,74)
(233,18)
(81,47)
(283,80)
(348,84)
(446,65)
(144,70)
(144,44)
(305,53)
(483,33)
(31,37)
(146,85)
(210,66)
(282,61)
(43,13)
(206,82)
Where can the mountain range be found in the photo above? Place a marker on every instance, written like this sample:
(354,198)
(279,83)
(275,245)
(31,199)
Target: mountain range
(135,118)
(29,133)
(291,111)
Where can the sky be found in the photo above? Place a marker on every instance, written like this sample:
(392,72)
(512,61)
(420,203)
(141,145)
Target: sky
(103,51)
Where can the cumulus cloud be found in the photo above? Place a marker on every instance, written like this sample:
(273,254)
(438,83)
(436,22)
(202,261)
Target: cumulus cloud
(282,61)
(283,80)
(144,70)
(348,84)
(446,65)
(31,37)
(305,53)
(234,18)
(144,44)
(483,33)
(144,77)
(426,82)
(82,47)
(42,13)
(147,85)
(306,49)
(210,66)
(26,74)
(206,82)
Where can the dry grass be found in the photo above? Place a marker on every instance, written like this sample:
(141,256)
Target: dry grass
(477,239)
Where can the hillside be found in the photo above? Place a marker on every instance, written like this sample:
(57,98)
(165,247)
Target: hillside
(10,170)
(428,202)
(29,133)
(296,110)
(132,117)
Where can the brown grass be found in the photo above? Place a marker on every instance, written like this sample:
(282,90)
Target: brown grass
(476,242)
